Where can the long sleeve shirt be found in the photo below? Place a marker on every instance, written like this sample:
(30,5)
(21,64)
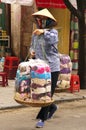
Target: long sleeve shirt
(45,48)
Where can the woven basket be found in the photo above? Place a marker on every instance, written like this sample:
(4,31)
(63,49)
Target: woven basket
(31,102)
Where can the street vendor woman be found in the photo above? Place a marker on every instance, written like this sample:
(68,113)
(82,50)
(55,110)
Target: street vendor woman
(44,46)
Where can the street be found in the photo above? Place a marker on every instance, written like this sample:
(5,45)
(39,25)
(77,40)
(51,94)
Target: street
(70,116)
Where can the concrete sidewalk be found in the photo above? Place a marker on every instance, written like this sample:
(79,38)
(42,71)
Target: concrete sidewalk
(7,96)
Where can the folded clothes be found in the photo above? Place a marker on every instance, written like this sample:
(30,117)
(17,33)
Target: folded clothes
(44,75)
(64,59)
(41,96)
(41,82)
(63,84)
(66,77)
(34,78)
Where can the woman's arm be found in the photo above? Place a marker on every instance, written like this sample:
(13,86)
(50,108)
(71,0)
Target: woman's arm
(32,51)
(51,36)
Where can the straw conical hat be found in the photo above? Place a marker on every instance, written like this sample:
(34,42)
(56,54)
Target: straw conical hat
(44,12)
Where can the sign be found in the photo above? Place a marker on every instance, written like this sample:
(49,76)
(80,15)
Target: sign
(54,3)
(0,11)
(21,2)
(50,3)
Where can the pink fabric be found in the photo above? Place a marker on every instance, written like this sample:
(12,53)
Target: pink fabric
(50,3)
(40,69)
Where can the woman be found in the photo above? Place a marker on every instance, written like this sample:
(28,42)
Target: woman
(44,46)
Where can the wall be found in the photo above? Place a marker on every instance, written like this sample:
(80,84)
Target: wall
(63,18)
(15,28)
(22,27)
(26,30)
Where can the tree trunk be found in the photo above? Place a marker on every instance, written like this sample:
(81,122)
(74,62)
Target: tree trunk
(80,12)
(82,44)
(82,54)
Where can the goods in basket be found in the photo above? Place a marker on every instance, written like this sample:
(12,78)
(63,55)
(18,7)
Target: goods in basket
(65,64)
(33,83)
(30,102)
(40,81)
(23,80)
(66,77)
(2,64)
(63,84)
(65,73)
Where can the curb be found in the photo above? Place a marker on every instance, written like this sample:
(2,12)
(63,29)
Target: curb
(56,101)
(12,107)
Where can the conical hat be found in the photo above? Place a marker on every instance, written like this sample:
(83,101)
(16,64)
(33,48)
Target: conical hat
(44,12)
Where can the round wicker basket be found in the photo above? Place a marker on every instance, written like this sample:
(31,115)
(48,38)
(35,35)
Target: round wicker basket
(31,102)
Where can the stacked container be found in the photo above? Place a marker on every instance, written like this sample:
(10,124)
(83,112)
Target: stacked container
(10,66)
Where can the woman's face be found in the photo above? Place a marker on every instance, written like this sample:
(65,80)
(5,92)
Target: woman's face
(41,22)
(44,22)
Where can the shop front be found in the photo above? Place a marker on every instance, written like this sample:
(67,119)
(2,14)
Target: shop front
(16,26)
(22,27)
(21,32)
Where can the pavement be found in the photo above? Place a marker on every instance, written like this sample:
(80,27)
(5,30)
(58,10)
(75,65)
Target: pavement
(7,96)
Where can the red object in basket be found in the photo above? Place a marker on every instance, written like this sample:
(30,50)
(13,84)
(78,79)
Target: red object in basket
(74,83)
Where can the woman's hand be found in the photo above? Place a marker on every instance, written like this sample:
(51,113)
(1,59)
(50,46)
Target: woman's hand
(38,31)
(32,54)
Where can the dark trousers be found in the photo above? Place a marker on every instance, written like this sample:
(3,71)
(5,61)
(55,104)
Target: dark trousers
(44,111)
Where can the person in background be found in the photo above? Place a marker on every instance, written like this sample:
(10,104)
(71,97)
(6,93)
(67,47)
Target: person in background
(44,46)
